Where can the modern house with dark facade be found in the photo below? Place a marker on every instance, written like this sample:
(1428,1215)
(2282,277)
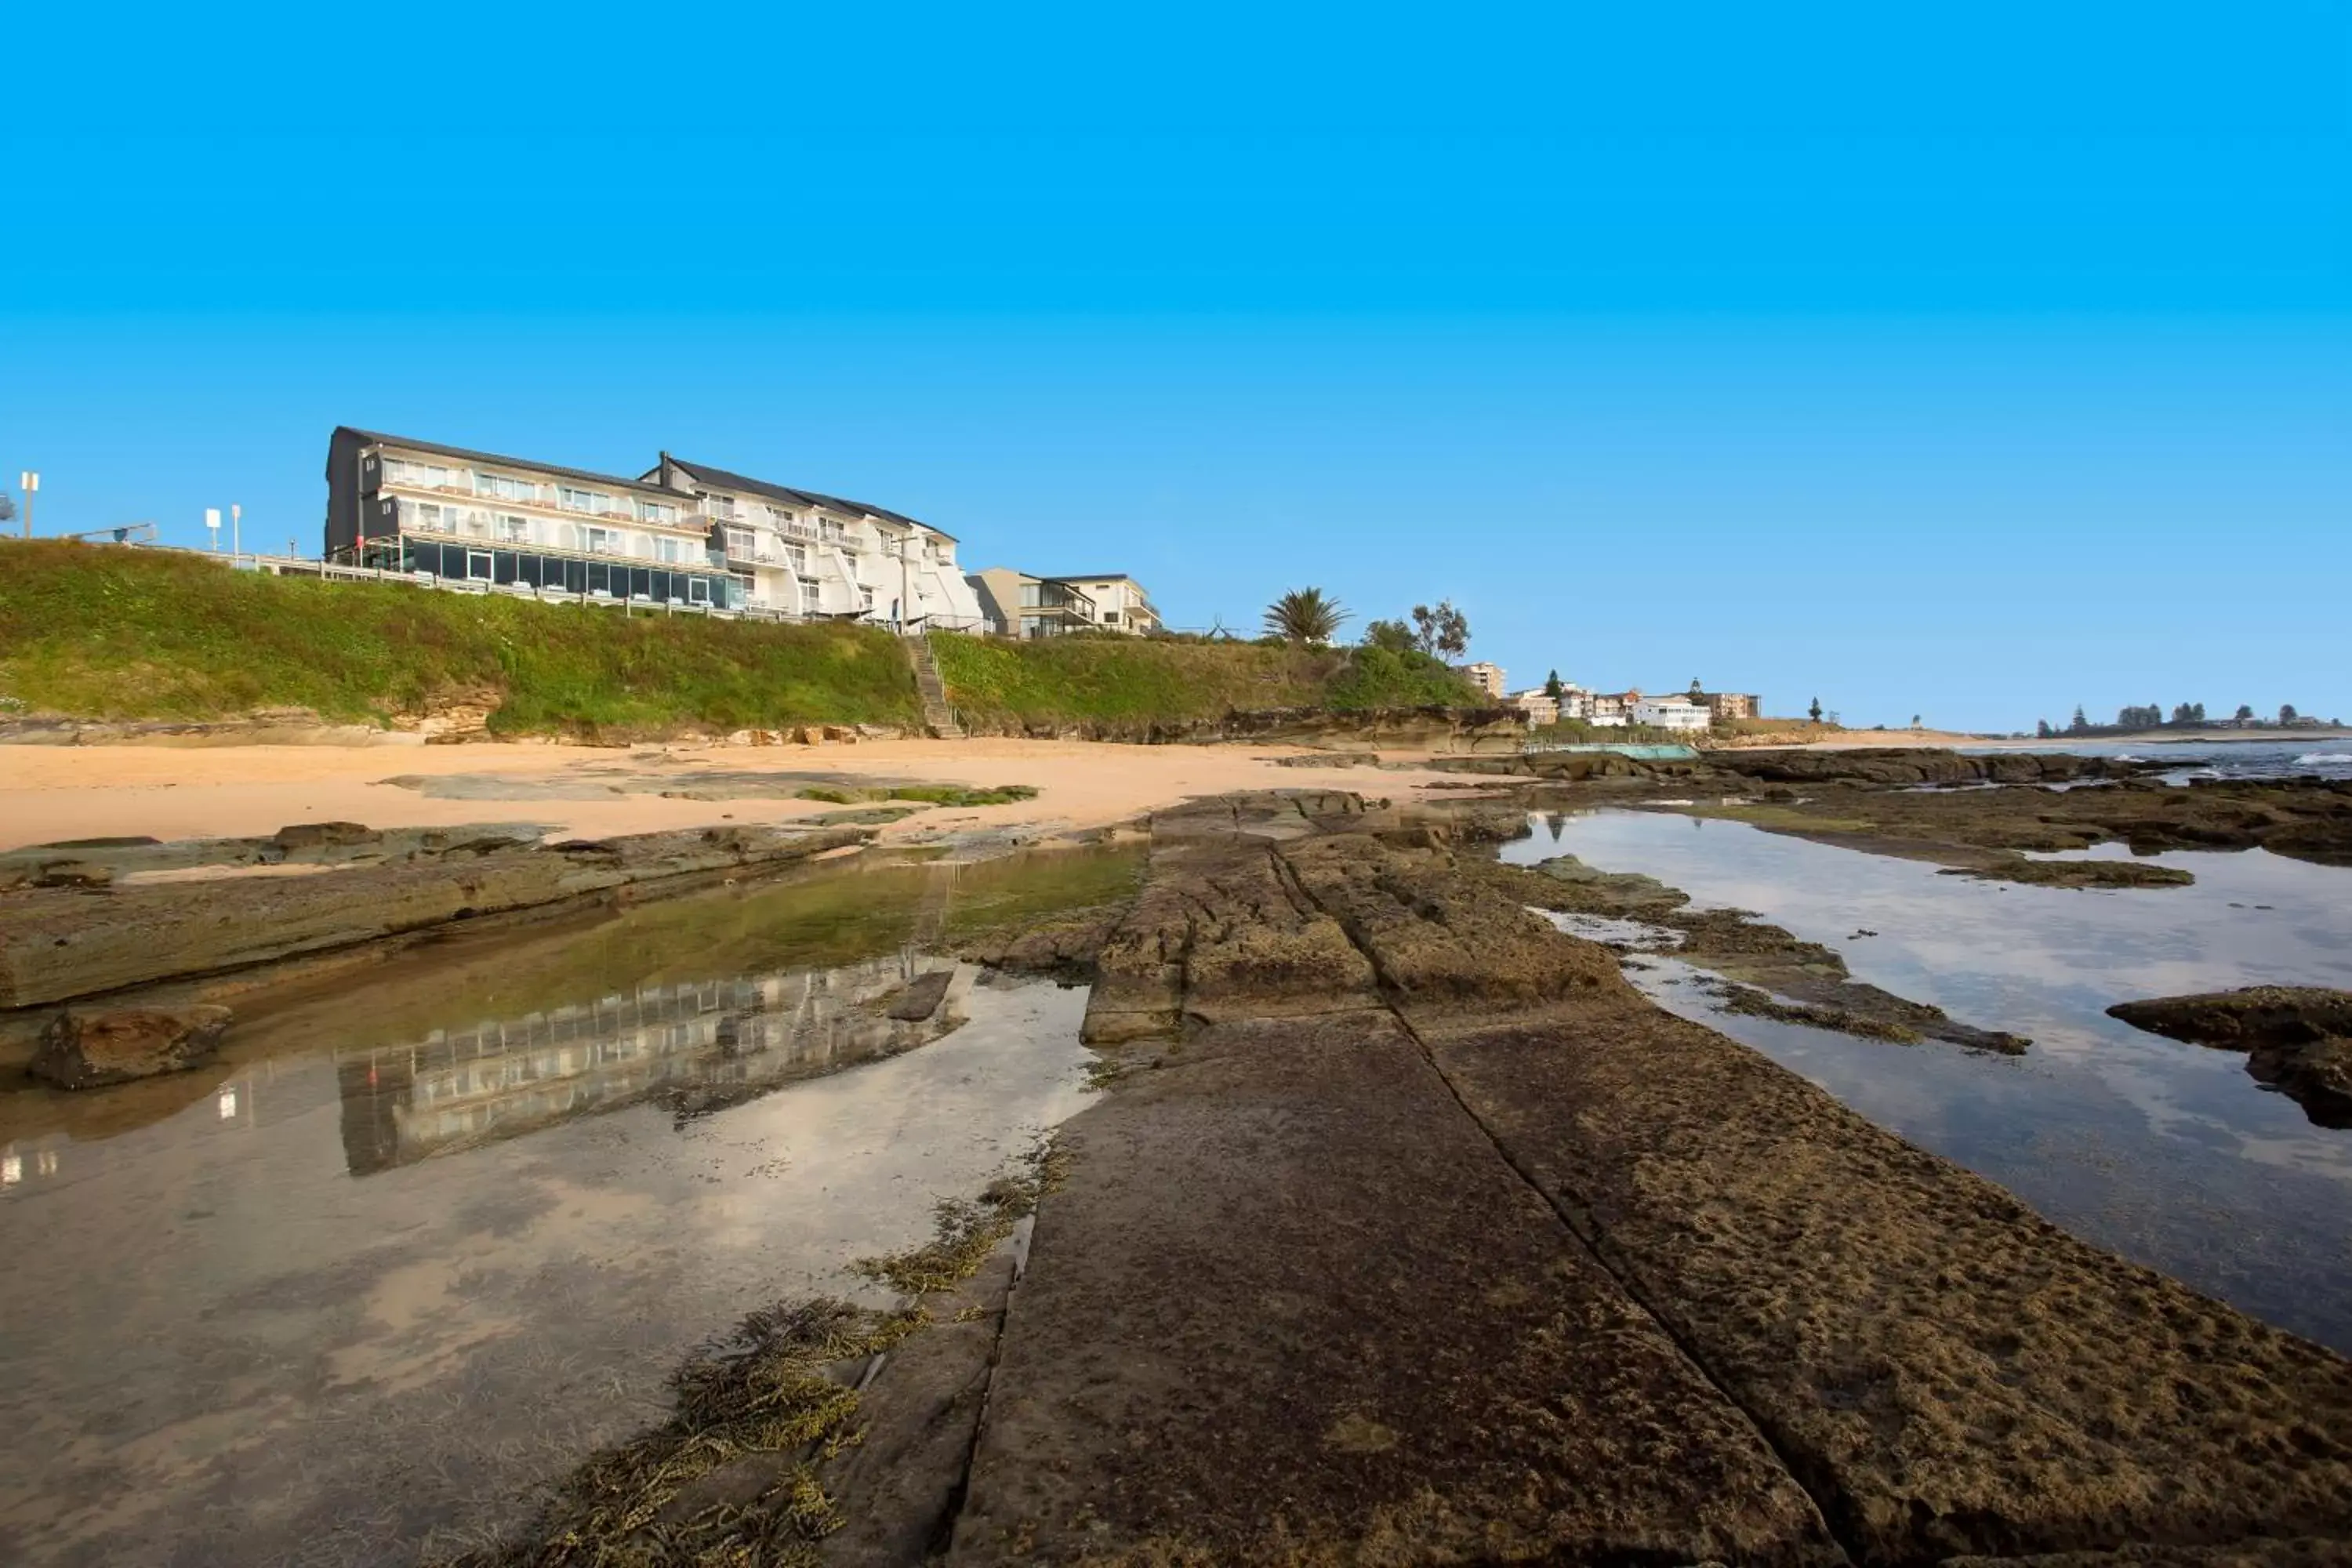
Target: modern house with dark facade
(411,506)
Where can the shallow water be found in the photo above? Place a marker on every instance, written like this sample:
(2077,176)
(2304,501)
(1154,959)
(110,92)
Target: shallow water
(425,1239)
(2168,1153)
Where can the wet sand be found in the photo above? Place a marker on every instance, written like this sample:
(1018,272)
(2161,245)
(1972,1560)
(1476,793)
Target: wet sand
(50,793)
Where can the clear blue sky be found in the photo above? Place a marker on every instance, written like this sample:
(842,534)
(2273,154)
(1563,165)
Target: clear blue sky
(1969,361)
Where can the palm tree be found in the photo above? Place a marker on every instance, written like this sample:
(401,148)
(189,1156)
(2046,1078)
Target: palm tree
(1304,614)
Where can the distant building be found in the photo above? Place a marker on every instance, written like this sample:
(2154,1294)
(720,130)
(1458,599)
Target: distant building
(1486,678)
(1539,706)
(1671,714)
(1730,704)
(1606,709)
(1019,605)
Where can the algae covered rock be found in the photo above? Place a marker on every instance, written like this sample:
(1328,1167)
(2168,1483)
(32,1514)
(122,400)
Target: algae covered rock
(93,1049)
(2297,1038)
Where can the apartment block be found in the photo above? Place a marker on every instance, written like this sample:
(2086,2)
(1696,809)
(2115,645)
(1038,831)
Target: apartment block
(1730,704)
(1539,706)
(807,553)
(1486,678)
(449,512)
(682,533)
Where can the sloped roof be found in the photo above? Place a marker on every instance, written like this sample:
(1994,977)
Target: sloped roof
(464,454)
(722,479)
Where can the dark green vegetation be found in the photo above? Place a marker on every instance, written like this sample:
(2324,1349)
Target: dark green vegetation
(99,633)
(1079,680)
(131,634)
(1305,615)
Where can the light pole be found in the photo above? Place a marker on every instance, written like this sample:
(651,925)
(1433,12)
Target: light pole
(235,530)
(31,481)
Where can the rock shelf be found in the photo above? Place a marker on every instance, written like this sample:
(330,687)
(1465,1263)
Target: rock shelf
(1408,1231)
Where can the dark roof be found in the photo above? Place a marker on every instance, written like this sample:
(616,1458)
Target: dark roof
(721,479)
(467,454)
(1081,576)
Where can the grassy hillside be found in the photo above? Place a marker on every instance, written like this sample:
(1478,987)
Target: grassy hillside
(1116,680)
(101,632)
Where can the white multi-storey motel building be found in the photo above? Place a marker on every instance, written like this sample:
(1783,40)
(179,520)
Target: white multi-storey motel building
(681,534)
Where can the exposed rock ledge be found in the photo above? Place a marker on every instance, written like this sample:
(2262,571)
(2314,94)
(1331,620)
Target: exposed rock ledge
(59,943)
(1409,1232)
(2297,1038)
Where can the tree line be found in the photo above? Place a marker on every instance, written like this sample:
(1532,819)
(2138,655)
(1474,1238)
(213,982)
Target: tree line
(2152,717)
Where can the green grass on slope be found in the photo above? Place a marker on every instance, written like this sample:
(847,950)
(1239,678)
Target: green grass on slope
(1134,680)
(101,632)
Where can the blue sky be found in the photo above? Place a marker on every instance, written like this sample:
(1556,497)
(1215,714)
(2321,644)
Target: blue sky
(1963,361)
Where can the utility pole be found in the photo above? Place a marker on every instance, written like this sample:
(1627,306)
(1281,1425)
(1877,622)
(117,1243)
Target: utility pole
(31,481)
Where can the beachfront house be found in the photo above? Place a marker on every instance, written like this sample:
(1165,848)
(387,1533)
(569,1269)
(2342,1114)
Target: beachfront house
(1671,714)
(452,514)
(1119,601)
(807,553)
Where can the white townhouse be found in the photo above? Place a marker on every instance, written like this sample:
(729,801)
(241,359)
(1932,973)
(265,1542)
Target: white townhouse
(808,554)
(1671,714)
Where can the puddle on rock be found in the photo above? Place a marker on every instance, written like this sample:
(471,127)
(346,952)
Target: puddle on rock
(2168,1153)
(428,1236)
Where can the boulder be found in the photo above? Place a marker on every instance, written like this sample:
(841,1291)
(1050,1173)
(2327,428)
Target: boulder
(93,1049)
(324,834)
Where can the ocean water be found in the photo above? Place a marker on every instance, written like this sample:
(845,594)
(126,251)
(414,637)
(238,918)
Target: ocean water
(2206,759)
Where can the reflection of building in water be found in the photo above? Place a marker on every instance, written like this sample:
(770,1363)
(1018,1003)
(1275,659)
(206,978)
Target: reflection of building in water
(709,1043)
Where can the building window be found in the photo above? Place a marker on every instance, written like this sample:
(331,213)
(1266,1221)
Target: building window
(656,512)
(719,506)
(740,543)
(583,500)
(504,486)
(513,530)
(812,602)
(796,557)
(602,541)
(1110,618)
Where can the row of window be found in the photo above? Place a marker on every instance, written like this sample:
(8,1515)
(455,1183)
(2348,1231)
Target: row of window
(464,563)
(513,528)
(507,486)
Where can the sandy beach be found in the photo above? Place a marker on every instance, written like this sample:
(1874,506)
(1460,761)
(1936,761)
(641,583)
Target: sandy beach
(52,793)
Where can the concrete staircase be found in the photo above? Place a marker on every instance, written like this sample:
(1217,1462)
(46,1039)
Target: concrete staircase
(939,717)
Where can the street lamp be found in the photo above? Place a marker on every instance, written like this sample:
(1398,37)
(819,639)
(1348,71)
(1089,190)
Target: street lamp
(31,481)
(236,533)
